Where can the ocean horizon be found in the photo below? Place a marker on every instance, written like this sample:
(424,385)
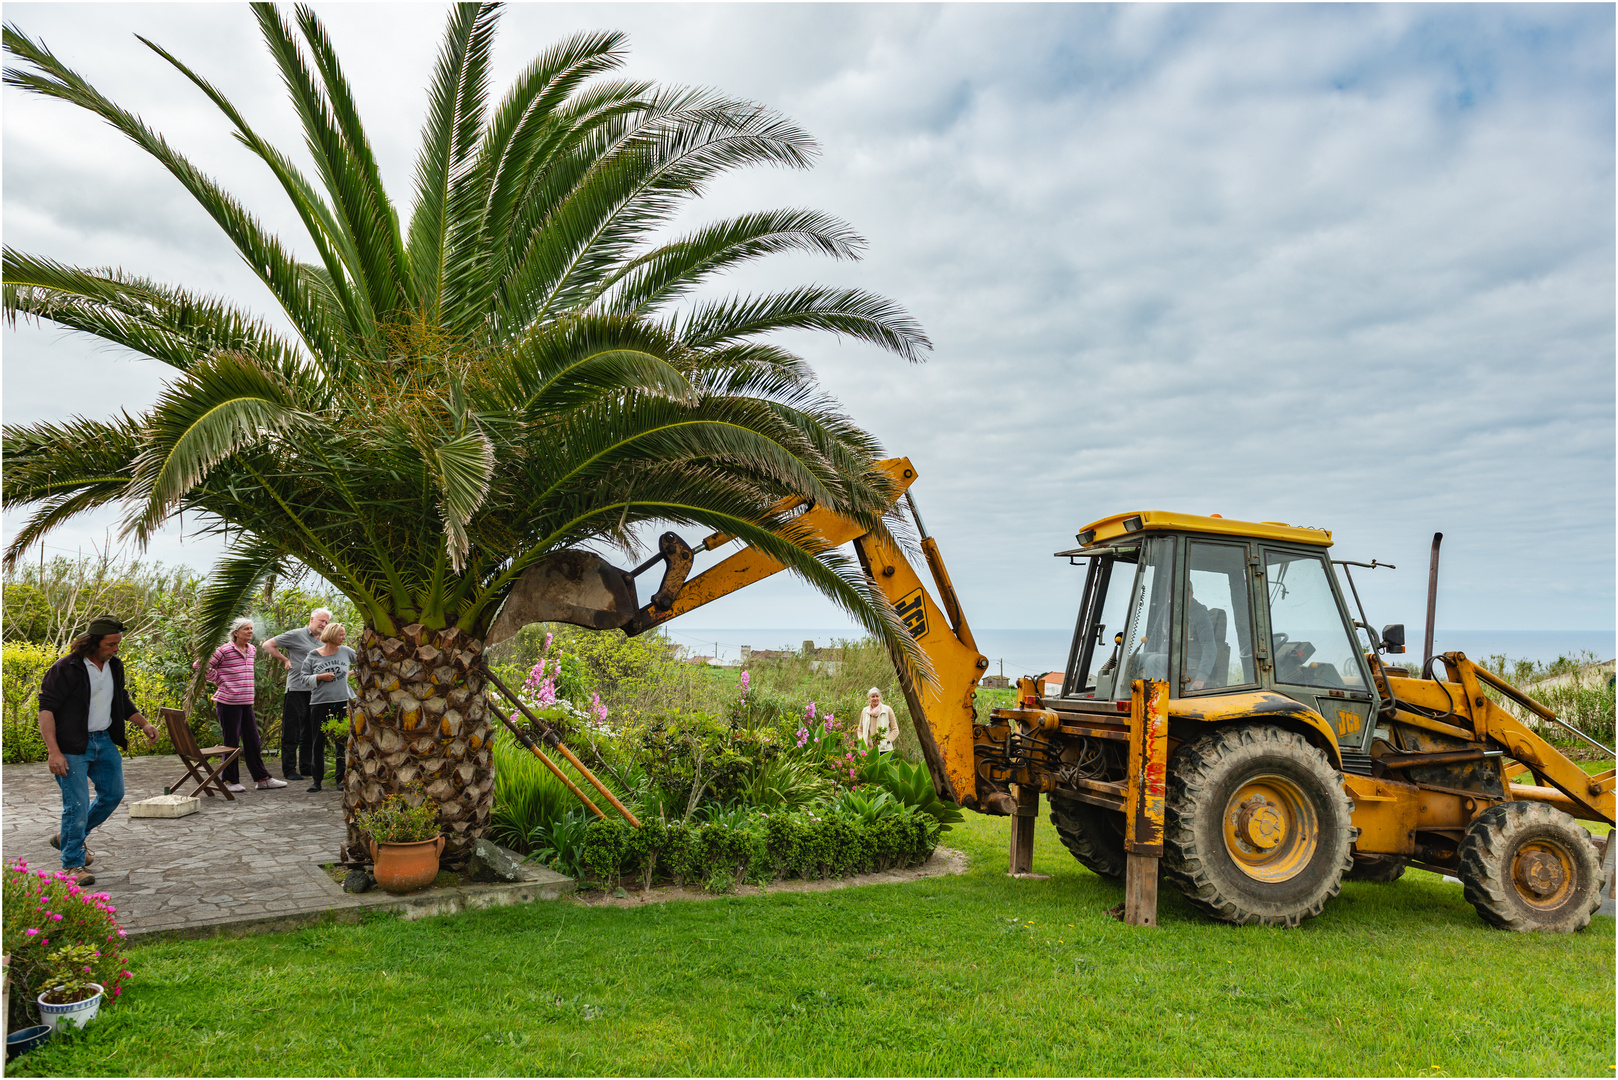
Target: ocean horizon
(1034,652)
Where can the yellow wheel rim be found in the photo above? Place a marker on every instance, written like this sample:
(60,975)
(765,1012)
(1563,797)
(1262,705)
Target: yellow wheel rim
(1542,870)
(1271,830)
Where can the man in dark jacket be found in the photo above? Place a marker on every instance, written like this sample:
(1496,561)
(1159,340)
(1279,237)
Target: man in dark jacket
(83,708)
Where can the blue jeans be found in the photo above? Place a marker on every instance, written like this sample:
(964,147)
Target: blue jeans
(102,764)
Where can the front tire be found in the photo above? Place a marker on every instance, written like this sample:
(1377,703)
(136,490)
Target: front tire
(1259,829)
(1092,835)
(1529,866)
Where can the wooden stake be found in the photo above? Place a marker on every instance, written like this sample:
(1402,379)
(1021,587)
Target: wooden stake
(1140,890)
(1022,830)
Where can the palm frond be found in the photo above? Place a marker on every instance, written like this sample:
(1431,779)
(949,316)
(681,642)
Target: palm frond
(159,321)
(64,469)
(372,258)
(674,269)
(222,406)
(851,313)
(277,269)
(312,210)
(464,466)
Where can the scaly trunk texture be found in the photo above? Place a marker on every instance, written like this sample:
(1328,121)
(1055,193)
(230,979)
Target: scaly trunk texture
(421,727)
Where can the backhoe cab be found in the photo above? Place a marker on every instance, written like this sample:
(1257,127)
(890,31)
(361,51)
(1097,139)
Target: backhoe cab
(1222,716)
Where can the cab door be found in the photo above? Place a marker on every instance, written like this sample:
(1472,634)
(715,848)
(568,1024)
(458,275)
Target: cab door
(1313,654)
(1215,642)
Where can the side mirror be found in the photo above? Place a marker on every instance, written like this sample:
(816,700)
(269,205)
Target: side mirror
(1393,637)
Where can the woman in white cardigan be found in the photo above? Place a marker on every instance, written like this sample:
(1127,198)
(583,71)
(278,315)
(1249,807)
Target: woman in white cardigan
(877,721)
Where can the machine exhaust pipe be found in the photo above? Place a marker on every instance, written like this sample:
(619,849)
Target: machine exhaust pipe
(1432,601)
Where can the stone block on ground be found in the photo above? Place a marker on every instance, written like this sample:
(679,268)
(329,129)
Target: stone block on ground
(491,862)
(358,881)
(165,806)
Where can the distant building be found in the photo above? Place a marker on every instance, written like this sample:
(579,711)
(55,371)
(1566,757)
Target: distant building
(994,682)
(1053,682)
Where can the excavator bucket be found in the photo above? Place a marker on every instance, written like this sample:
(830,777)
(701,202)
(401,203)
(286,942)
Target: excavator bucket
(582,588)
(570,586)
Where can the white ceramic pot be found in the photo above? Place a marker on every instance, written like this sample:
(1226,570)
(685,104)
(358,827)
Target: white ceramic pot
(74,1012)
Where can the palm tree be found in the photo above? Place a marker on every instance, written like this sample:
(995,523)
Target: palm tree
(516,371)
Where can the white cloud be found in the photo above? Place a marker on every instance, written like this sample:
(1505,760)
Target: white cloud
(1347,266)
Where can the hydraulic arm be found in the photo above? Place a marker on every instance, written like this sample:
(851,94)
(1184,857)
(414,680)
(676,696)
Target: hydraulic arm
(579,587)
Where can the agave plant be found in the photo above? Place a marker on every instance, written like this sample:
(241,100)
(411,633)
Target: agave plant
(514,367)
(908,783)
(865,807)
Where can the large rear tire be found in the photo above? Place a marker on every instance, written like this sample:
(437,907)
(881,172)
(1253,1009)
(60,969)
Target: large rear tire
(1093,835)
(1259,827)
(1529,866)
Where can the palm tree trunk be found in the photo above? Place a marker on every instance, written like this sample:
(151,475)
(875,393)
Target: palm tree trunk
(421,730)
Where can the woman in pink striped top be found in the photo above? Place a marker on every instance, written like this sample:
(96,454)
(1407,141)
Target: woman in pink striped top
(230,668)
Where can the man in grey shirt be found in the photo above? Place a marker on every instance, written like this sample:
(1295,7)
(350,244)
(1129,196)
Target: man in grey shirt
(297,734)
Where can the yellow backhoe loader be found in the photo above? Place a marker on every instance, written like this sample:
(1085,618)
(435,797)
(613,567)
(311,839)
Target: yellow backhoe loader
(1224,722)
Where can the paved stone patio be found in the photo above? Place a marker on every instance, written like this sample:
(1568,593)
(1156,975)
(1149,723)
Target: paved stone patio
(246,866)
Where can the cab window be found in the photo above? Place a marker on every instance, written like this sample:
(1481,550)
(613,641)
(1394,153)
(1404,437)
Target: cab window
(1310,642)
(1218,632)
(1115,580)
(1146,637)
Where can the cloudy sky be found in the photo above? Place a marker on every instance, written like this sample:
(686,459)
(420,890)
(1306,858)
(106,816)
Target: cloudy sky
(1350,267)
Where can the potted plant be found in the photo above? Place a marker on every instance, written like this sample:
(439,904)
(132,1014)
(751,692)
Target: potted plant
(405,843)
(69,994)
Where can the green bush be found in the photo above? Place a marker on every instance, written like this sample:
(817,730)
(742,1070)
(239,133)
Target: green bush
(562,843)
(785,783)
(853,836)
(1585,697)
(24,667)
(693,757)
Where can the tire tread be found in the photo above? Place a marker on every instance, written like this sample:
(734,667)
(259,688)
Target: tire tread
(1193,774)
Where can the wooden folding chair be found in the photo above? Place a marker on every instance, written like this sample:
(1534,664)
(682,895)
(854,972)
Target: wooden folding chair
(195,758)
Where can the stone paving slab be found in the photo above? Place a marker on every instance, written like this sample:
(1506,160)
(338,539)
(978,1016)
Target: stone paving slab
(247,866)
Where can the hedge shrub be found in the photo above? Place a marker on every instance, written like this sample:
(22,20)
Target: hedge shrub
(25,665)
(762,847)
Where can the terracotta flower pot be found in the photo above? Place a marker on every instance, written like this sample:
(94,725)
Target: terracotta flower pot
(404,868)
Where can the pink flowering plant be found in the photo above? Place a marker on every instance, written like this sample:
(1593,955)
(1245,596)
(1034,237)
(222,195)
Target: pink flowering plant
(554,690)
(830,745)
(45,914)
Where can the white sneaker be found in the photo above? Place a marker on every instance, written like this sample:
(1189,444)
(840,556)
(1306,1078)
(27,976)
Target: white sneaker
(271,782)
(234,787)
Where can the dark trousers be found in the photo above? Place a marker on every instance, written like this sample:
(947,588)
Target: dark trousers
(297,740)
(238,727)
(318,715)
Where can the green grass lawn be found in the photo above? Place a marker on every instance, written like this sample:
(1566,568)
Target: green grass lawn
(976,974)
